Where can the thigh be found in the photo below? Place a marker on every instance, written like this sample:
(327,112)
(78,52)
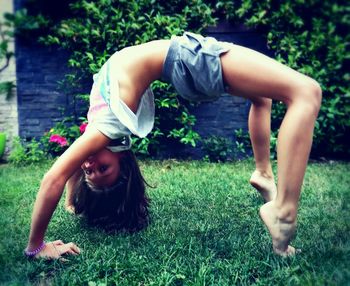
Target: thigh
(250,74)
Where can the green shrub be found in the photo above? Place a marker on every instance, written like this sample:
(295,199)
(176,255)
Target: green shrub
(217,148)
(243,146)
(97,29)
(62,135)
(52,144)
(309,36)
(23,152)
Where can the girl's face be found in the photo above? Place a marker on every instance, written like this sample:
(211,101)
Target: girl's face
(103,168)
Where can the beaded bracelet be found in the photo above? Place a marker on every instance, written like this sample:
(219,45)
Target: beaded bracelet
(34,252)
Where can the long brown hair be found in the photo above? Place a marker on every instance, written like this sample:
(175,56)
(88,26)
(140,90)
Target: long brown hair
(124,206)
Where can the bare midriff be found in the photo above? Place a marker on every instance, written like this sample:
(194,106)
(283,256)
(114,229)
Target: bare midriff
(138,66)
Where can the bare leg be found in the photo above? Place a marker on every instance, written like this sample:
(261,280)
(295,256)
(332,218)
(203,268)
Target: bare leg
(253,75)
(259,123)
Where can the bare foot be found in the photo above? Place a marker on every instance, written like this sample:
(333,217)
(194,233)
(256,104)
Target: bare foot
(264,185)
(280,230)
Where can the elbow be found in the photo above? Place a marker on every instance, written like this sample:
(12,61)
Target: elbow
(48,180)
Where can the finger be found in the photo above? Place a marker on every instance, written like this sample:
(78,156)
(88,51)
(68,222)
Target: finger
(68,251)
(71,251)
(68,248)
(74,247)
(58,242)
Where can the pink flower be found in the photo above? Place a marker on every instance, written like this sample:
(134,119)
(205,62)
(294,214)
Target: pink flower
(82,127)
(58,139)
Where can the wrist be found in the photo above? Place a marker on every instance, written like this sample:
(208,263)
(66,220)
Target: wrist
(34,252)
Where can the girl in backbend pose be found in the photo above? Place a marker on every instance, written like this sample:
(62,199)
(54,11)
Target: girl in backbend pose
(100,164)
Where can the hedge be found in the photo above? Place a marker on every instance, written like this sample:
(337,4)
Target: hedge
(309,36)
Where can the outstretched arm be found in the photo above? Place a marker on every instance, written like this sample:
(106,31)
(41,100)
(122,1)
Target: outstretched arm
(51,189)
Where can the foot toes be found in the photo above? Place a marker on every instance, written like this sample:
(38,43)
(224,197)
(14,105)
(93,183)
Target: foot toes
(290,251)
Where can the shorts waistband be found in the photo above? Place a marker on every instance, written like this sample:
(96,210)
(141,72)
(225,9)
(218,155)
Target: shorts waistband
(169,58)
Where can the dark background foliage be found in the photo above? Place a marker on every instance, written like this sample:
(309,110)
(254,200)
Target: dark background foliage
(309,36)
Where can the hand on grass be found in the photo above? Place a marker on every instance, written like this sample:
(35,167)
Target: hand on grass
(55,250)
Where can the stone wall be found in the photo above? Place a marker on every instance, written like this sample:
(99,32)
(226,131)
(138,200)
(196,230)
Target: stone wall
(42,103)
(8,107)
(42,99)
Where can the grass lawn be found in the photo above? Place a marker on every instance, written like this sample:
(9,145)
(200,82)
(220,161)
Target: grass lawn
(205,230)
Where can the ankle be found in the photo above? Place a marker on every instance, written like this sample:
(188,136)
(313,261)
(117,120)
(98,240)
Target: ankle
(286,212)
(266,173)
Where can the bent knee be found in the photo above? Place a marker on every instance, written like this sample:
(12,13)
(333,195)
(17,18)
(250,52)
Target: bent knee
(315,91)
(262,102)
(309,93)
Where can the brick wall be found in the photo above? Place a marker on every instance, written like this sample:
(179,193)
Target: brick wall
(41,103)
(42,100)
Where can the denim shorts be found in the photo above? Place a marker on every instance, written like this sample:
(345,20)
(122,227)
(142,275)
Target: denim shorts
(193,66)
